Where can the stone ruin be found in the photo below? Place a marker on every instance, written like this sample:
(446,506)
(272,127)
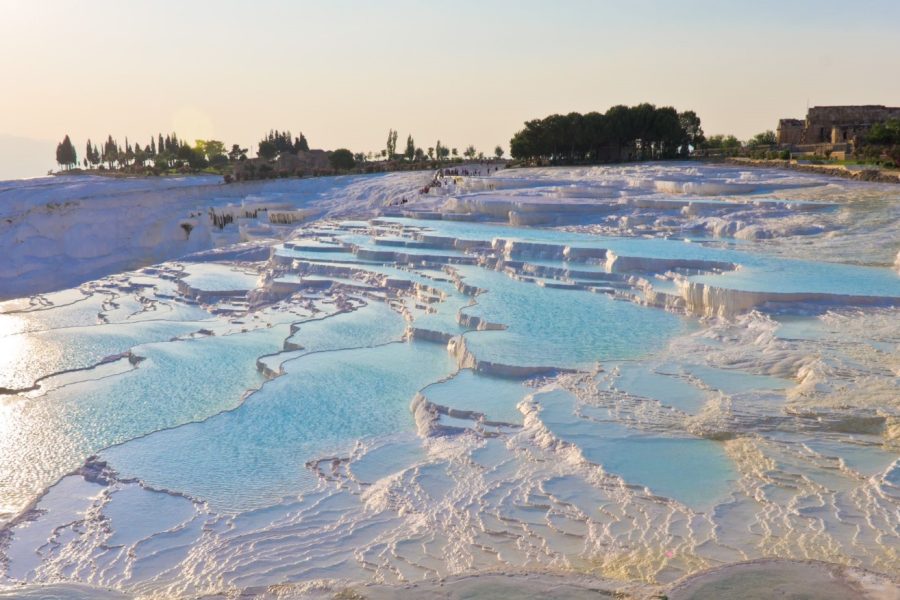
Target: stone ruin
(837,126)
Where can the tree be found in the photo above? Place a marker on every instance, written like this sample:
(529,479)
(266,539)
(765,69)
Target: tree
(110,151)
(430,152)
(65,153)
(498,152)
(469,152)
(766,138)
(722,144)
(886,133)
(342,160)
(195,157)
(693,133)
(237,153)
(719,141)
(454,152)
(282,142)
(391,147)
(622,133)
(420,154)
(267,150)
(213,150)
(129,152)
(410,152)
(438,150)
(301,144)
(731,142)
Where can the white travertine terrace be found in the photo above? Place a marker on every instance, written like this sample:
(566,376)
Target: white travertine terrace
(618,376)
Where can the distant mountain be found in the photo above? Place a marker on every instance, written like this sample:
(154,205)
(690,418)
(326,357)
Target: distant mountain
(25,157)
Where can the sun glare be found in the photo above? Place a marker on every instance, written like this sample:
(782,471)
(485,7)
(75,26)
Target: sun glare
(194,123)
(13,346)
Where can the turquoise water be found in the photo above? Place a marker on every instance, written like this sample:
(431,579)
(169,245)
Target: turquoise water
(444,319)
(560,328)
(29,356)
(256,454)
(305,253)
(780,275)
(212,277)
(669,388)
(494,397)
(758,272)
(733,381)
(71,309)
(800,327)
(691,470)
(178,382)
(371,325)
(365,243)
(868,458)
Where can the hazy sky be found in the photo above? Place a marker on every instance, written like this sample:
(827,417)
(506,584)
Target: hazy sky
(462,72)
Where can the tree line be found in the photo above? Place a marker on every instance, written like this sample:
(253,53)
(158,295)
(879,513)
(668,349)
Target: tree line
(438,152)
(162,153)
(277,142)
(622,133)
(169,152)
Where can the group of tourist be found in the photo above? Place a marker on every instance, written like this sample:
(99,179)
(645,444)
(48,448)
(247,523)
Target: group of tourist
(456,173)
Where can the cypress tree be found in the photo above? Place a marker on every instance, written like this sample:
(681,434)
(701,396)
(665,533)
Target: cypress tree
(65,153)
(110,151)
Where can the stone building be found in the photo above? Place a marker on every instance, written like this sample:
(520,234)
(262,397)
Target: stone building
(790,131)
(833,125)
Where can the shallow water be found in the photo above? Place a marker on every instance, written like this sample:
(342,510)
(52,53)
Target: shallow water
(672,389)
(256,454)
(213,277)
(691,470)
(497,398)
(559,328)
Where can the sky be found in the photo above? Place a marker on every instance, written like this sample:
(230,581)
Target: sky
(465,72)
